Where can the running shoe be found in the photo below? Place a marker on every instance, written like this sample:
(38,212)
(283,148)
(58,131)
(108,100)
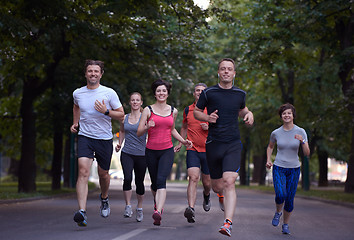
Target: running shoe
(285,229)
(276,218)
(104,209)
(128,211)
(221,201)
(189,213)
(206,202)
(80,218)
(157,218)
(226,228)
(139,214)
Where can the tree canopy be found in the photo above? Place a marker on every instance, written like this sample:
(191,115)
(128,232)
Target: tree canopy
(286,51)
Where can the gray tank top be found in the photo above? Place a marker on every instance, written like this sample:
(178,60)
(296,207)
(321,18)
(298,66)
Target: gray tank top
(133,145)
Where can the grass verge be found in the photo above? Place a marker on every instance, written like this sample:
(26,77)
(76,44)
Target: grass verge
(9,190)
(325,193)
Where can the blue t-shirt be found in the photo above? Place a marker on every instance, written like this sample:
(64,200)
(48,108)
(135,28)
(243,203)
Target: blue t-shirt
(287,146)
(228,102)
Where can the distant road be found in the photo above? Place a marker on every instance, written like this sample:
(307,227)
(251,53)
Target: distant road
(51,219)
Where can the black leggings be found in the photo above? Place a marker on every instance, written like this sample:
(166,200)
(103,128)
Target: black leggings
(138,163)
(159,163)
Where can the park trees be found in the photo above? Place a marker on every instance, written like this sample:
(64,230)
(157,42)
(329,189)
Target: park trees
(44,44)
(288,51)
(299,52)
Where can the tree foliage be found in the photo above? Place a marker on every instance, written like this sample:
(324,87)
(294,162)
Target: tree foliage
(46,42)
(292,51)
(286,51)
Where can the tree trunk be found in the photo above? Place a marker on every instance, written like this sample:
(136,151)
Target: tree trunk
(178,170)
(287,89)
(57,157)
(257,170)
(66,172)
(323,167)
(263,172)
(27,166)
(242,171)
(349,183)
(345,31)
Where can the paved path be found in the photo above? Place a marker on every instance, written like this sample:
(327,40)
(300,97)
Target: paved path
(52,219)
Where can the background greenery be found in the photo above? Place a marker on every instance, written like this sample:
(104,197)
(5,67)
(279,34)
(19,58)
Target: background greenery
(286,51)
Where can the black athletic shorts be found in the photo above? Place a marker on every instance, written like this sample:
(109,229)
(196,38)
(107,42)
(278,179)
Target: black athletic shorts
(223,157)
(197,159)
(102,150)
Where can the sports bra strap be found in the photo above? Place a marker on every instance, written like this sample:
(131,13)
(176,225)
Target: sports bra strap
(172,108)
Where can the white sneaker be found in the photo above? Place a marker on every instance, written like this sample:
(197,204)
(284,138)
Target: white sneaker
(139,215)
(128,211)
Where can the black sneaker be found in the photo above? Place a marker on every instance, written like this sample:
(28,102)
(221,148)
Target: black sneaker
(80,218)
(206,202)
(104,209)
(189,214)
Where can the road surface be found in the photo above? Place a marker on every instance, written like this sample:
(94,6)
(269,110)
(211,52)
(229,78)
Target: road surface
(52,219)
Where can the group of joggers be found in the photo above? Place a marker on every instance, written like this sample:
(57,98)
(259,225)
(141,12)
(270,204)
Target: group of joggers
(209,131)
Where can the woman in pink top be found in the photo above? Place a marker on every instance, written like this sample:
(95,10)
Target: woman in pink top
(159,121)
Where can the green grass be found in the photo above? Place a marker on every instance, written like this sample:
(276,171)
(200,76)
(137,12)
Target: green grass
(9,190)
(329,193)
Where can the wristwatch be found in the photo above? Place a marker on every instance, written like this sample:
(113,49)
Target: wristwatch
(303,140)
(107,112)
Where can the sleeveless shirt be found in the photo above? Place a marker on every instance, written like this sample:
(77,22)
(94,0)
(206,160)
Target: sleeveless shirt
(159,137)
(133,145)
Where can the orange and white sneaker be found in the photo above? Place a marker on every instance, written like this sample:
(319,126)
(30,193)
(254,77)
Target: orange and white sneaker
(221,201)
(226,228)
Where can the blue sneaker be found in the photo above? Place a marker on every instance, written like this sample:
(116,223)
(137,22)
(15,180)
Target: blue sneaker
(80,218)
(285,229)
(276,218)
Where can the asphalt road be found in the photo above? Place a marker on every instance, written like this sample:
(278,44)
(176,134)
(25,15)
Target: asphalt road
(53,219)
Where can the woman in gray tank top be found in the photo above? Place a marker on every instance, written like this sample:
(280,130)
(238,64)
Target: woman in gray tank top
(133,156)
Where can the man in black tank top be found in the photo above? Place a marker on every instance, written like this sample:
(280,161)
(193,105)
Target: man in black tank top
(224,103)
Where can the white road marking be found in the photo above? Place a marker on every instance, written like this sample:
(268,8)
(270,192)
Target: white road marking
(130,234)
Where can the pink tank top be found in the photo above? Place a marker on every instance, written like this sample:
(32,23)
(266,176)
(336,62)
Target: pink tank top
(159,137)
